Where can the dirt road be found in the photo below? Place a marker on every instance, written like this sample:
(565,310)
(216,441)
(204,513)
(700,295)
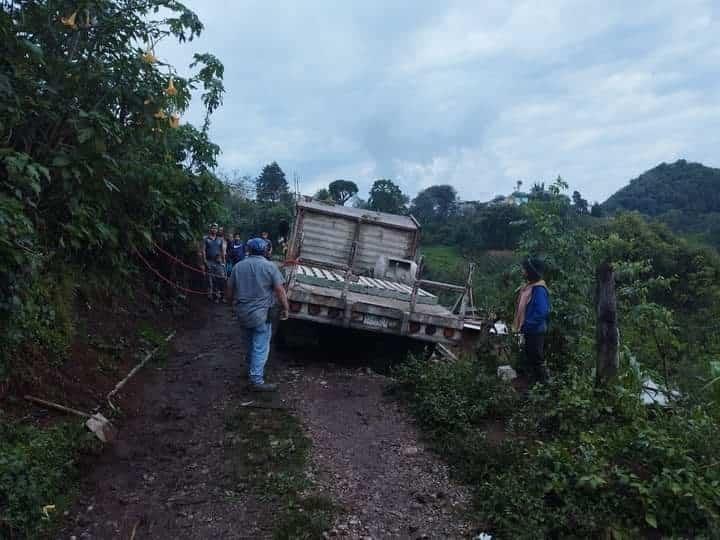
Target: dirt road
(167,476)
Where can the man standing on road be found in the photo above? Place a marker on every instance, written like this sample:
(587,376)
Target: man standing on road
(213,257)
(254,285)
(235,252)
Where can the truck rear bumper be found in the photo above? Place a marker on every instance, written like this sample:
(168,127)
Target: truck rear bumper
(330,310)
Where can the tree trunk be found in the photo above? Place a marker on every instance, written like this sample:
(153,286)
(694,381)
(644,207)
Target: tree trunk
(607,330)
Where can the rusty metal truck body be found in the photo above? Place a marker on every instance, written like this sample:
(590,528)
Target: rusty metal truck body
(359,269)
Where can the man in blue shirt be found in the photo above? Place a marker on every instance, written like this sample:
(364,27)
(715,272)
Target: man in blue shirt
(531,319)
(235,252)
(254,285)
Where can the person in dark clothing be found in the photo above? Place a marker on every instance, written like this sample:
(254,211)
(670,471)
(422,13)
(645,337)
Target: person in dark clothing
(235,251)
(531,319)
(212,255)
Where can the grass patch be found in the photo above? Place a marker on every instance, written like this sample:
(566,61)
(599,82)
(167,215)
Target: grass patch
(38,476)
(268,453)
(152,338)
(573,461)
(450,264)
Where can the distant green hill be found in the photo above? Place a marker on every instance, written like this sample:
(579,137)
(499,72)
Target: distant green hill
(685,196)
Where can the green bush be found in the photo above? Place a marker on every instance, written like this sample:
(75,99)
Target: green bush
(576,461)
(37,471)
(43,319)
(456,397)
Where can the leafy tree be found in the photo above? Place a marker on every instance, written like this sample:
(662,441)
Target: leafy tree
(95,157)
(386,196)
(436,203)
(596,210)
(323,195)
(580,204)
(342,191)
(272,187)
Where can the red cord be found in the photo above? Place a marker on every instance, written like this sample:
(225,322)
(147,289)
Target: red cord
(182,263)
(166,280)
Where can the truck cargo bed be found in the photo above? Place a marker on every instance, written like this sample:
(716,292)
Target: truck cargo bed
(364,285)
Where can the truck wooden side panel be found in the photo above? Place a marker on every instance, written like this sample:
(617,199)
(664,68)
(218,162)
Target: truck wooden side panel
(330,276)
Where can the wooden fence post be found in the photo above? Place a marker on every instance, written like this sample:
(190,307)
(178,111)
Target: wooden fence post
(608,359)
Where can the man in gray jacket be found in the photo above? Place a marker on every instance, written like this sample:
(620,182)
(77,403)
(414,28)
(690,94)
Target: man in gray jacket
(254,286)
(212,255)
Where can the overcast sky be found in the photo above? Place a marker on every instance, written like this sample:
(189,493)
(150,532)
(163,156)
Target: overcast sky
(473,94)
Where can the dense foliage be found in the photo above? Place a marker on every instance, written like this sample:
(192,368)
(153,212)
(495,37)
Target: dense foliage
(247,215)
(37,475)
(686,196)
(95,158)
(342,191)
(572,461)
(386,196)
(577,460)
(436,203)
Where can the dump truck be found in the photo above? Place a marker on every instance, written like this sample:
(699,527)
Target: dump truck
(360,269)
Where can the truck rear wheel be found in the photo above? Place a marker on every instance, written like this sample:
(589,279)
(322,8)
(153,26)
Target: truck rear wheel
(293,334)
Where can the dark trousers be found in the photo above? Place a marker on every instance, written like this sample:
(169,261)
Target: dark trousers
(534,358)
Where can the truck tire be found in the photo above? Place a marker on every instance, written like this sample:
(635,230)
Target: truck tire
(295,334)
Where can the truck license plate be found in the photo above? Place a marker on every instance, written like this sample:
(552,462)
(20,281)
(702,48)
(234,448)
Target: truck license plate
(375,321)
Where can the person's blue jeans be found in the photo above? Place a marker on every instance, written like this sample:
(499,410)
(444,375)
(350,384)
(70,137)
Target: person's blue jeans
(258,348)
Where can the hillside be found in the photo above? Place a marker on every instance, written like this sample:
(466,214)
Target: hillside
(685,196)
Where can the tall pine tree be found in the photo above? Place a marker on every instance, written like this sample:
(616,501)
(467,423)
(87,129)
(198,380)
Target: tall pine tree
(272,187)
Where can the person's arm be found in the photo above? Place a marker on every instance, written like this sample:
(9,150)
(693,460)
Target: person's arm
(278,283)
(202,255)
(282,299)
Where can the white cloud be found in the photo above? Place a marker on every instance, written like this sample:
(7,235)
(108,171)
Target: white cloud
(477,95)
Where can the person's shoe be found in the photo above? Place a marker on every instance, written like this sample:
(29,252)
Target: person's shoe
(264,387)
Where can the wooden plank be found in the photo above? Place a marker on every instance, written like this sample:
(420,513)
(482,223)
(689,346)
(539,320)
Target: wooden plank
(439,285)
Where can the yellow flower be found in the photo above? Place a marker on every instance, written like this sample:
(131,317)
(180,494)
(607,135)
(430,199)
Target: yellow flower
(149,56)
(174,121)
(171,90)
(47,509)
(70,21)
(160,115)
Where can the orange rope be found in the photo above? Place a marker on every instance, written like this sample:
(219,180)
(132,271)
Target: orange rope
(182,263)
(166,280)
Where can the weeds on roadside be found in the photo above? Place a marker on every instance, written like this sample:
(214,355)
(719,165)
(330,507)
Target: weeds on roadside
(268,452)
(575,461)
(38,476)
